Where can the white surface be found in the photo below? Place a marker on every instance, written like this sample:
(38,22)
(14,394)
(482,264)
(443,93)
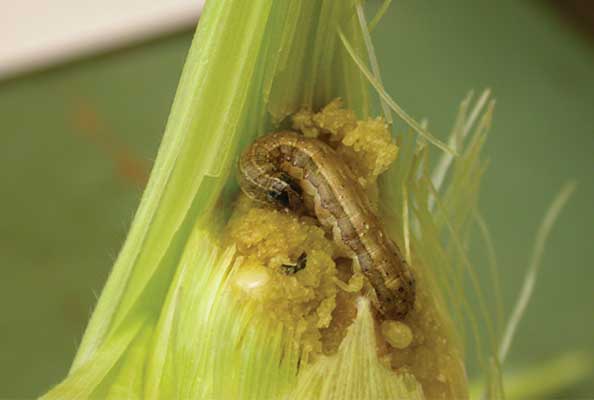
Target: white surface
(38,33)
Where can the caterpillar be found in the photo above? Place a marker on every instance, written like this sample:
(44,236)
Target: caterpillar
(285,169)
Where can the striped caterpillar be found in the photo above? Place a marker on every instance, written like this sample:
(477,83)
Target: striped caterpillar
(283,168)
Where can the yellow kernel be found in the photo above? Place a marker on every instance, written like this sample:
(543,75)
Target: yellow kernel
(397,333)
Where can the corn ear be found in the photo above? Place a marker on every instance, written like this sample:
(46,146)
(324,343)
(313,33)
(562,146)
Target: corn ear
(167,324)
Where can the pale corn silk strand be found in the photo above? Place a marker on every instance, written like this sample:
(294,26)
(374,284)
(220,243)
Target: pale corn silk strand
(365,30)
(493,270)
(390,102)
(533,268)
(529,281)
(464,123)
(459,132)
(380,14)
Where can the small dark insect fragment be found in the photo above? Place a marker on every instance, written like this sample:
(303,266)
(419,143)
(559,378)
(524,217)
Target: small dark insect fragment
(291,269)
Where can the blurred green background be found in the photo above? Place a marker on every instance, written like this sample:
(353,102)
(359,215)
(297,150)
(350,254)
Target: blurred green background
(77,142)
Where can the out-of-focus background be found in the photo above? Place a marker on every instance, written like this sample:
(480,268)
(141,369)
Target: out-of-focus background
(84,98)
